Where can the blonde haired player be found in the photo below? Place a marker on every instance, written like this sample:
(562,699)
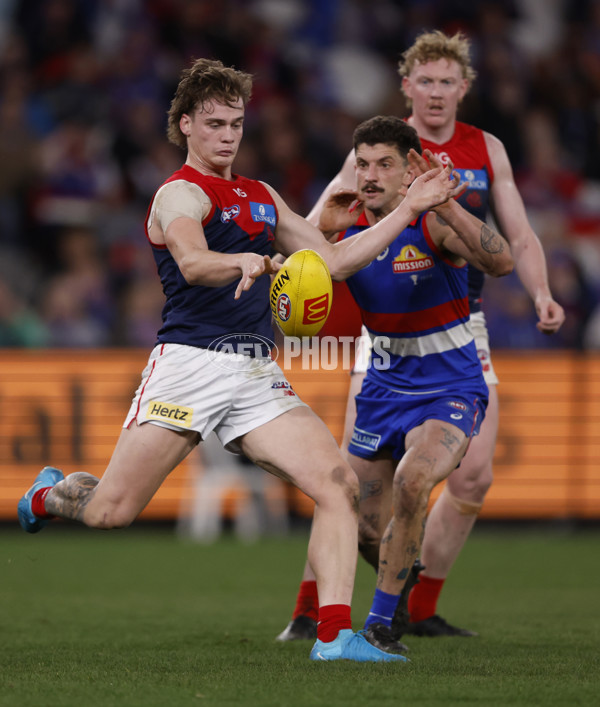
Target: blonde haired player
(436,75)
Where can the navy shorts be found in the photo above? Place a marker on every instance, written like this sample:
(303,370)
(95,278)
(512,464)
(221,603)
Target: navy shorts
(384,417)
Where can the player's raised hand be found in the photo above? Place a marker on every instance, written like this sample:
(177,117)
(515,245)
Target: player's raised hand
(340,211)
(434,187)
(254,265)
(423,163)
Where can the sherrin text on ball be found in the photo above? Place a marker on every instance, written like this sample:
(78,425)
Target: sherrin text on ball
(301,294)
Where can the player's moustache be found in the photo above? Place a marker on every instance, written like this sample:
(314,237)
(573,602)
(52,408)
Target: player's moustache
(370,185)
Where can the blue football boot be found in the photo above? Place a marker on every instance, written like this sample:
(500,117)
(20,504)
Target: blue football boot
(352,646)
(48,476)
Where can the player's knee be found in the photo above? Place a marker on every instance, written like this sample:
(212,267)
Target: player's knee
(109,518)
(411,493)
(341,481)
(481,485)
(472,486)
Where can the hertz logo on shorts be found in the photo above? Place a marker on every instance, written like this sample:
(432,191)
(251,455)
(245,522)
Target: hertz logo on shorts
(167,412)
(411,259)
(316,309)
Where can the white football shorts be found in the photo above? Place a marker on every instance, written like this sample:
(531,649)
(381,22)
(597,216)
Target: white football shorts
(189,388)
(482,342)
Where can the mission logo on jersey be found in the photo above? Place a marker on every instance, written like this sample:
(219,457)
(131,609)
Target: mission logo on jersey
(411,259)
(477,178)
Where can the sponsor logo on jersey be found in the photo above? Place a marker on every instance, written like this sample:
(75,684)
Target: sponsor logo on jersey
(411,259)
(168,412)
(457,405)
(284,307)
(315,309)
(477,178)
(240,192)
(365,440)
(263,212)
(229,213)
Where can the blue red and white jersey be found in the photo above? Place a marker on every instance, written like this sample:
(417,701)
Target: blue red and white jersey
(415,297)
(242,219)
(468,152)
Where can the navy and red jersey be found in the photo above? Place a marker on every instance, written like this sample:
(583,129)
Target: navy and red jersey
(242,219)
(468,152)
(416,298)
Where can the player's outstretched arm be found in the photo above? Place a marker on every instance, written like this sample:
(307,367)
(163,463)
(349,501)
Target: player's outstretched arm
(462,234)
(530,261)
(346,257)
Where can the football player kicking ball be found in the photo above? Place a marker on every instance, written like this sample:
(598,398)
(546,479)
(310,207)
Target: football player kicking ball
(212,233)
(424,395)
(436,75)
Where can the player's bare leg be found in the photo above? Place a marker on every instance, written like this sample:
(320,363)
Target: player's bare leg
(303,624)
(318,469)
(433,450)
(450,522)
(376,488)
(451,519)
(142,459)
(309,457)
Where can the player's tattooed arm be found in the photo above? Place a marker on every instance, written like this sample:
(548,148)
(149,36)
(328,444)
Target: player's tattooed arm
(69,498)
(491,241)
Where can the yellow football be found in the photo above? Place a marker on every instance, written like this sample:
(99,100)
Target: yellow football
(301,294)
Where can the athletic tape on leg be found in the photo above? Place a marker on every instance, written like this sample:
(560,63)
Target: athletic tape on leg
(465,508)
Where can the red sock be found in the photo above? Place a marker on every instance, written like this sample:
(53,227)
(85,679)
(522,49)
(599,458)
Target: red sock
(422,601)
(333,619)
(307,602)
(37,503)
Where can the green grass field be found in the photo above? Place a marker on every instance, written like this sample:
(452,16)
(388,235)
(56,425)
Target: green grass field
(140,617)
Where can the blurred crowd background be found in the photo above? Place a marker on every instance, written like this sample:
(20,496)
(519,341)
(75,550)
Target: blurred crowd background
(84,90)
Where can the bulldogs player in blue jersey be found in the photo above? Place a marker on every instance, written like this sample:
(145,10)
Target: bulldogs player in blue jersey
(436,75)
(212,234)
(424,395)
